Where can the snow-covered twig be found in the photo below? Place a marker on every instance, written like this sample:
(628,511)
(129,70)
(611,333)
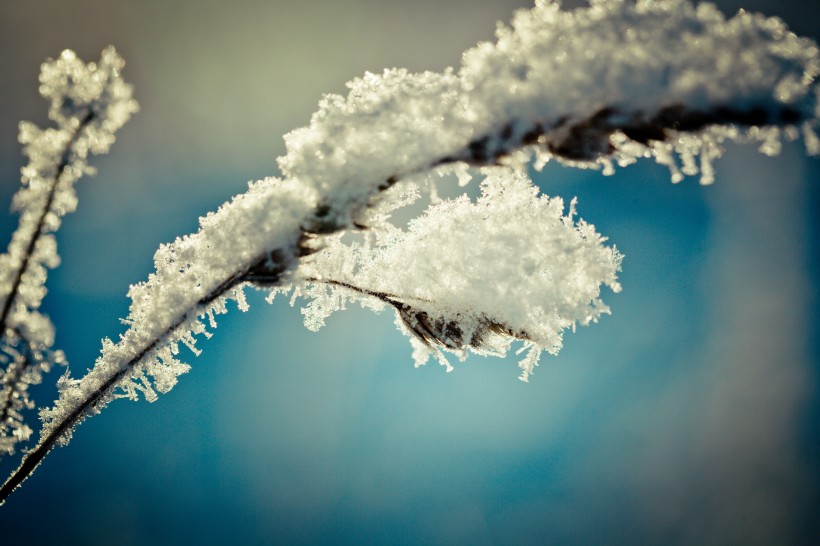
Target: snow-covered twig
(614,82)
(89,102)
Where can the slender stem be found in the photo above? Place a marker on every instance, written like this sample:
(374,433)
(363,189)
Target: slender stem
(383,296)
(38,231)
(33,457)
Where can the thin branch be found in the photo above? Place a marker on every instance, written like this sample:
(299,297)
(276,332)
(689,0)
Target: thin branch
(33,457)
(38,231)
(383,296)
(10,384)
(430,331)
(588,138)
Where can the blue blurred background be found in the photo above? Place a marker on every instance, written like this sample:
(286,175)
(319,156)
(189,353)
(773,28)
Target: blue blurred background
(689,416)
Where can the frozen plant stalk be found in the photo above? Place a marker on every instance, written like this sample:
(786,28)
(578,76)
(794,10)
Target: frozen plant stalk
(89,102)
(608,84)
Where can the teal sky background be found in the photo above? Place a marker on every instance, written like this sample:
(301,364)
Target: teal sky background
(689,416)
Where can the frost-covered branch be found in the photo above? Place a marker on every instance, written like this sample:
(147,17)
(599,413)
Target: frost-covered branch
(89,102)
(614,82)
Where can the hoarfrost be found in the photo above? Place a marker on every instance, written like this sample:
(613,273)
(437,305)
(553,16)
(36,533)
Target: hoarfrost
(593,88)
(195,277)
(88,103)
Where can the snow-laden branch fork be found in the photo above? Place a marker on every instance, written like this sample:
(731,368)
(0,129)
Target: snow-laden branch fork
(592,88)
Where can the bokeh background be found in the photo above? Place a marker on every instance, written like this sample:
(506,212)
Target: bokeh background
(689,416)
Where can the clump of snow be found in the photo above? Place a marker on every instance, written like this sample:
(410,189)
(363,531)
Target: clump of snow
(566,82)
(473,276)
(77,90)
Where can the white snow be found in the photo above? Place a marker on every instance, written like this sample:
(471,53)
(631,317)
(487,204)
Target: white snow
(510,266)
(549,71)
